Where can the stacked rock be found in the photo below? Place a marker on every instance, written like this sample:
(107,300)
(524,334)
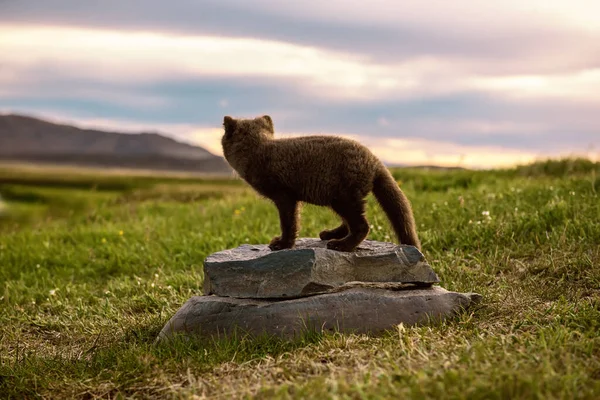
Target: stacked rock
(251,289)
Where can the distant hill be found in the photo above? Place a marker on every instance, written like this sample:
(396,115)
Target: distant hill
(28,139)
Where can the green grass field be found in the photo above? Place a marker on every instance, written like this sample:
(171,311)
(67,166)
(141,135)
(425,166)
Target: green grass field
(93,265)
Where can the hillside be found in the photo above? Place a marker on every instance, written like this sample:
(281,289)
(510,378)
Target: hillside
(30,139)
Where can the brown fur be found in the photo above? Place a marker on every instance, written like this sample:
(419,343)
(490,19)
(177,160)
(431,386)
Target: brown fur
(323,170)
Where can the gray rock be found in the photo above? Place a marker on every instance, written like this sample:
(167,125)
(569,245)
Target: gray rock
(354,310)
(254,271)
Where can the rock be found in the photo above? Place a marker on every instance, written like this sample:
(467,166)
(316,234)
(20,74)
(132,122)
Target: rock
(354,310)
(254,271)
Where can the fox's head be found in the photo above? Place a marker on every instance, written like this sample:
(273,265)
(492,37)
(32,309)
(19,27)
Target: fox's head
(242,129)
(242,136)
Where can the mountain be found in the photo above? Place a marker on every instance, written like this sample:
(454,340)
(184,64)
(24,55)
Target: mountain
(24,138)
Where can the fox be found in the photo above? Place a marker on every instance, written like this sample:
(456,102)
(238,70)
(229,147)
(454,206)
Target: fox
(323,170)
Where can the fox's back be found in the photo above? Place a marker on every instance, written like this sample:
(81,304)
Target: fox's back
(318,169)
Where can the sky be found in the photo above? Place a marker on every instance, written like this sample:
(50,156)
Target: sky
(453,83)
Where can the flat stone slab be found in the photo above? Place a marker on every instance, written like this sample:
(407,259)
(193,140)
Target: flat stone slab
(255,271)
(354,310)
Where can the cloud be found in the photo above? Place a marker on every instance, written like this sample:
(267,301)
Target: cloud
(583,85)
(384,29)
(554,35)
(204,78)
(36,54)
(144,57)
(513,79)
(463,119)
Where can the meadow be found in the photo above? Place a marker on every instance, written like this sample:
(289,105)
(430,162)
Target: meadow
(93,264)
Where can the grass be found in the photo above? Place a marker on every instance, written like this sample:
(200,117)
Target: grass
(92,266)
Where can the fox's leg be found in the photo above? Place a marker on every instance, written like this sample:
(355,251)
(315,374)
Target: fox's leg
(337,233)
(353,213)
(289,212)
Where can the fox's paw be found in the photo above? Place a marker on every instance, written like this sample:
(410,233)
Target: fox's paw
(278,244)
(340,245)
(338,233)
(331,234)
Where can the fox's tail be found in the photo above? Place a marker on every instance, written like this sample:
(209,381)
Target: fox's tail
(397,207)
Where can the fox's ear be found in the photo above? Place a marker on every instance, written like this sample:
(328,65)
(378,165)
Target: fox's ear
(229,123)
(269,121)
